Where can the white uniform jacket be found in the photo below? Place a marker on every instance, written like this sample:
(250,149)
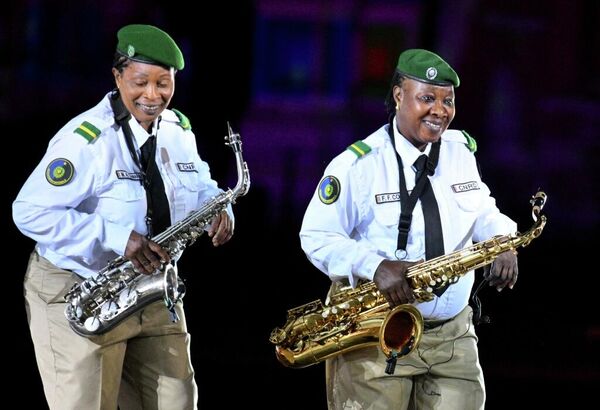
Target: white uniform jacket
(81,216)
(350,237)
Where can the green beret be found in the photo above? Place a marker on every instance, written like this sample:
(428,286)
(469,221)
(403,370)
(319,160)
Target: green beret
(427,67)
(149,44)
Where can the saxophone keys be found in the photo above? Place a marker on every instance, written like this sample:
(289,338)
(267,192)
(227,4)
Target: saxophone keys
(92,323)
(75,311)
(108,309)
(128,297)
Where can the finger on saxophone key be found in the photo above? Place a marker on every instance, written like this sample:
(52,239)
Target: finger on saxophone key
(163,255)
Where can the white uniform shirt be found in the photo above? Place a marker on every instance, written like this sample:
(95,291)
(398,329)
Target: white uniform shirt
(350,237)
(85,223)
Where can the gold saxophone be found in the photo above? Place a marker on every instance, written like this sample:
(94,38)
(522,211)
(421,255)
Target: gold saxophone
(359,317)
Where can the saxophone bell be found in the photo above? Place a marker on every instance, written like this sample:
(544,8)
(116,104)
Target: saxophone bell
(401,330)
(174,290)
(400,333)
(315,332)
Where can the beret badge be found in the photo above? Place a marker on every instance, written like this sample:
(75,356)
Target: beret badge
(431,73)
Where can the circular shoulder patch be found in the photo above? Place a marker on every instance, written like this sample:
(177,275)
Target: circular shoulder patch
(329,189)
(60,172)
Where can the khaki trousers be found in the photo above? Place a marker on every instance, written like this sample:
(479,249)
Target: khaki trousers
(442,373)
(142,363)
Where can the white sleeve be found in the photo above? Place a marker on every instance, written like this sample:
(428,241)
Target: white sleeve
(46,207)
(327,228)
(491,221)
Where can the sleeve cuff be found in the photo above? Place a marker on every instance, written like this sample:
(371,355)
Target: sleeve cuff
(505,226)
(117,237)
(370,265)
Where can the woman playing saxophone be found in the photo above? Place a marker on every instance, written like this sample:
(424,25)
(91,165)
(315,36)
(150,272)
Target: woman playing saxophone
(112,179)
(408,193)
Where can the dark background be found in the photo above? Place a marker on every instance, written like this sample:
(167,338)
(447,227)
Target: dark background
(300,81)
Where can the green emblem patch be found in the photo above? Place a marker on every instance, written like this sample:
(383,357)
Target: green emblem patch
(329,189)
(60,172)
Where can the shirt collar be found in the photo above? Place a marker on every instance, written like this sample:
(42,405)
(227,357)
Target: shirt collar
(139,133)
(407,151)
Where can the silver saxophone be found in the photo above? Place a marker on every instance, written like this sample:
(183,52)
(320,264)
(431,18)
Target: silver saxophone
(101,302)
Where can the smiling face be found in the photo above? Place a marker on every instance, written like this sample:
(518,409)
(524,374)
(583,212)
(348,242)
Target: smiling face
(145,89)
(425,111)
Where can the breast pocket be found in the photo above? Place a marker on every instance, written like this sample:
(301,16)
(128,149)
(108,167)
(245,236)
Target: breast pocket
(387,214)
(464,211)
(469,201)
(187,186)
(122,201)
(384,230)
(125,190)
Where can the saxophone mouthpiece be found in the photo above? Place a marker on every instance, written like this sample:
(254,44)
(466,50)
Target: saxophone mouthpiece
(230,137)
(233,139)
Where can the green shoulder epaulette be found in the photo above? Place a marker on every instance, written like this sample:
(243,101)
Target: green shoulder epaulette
(359,148)
(184,122)
(471,143)
(88,131)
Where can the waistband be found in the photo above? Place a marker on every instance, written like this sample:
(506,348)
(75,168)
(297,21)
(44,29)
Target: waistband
(35,254)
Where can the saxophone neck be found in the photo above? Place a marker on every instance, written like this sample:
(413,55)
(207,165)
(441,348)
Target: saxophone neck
(537,202)
(533,232)
(243,183)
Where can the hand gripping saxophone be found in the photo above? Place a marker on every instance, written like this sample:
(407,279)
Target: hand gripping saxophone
(101,302)
(355,318)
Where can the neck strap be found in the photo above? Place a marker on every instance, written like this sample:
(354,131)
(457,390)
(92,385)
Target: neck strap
(408,202)
(122,117)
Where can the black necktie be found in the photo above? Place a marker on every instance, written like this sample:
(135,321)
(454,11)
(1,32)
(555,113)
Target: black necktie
(434,240)
(158,205)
